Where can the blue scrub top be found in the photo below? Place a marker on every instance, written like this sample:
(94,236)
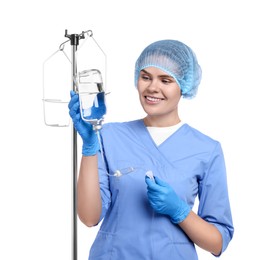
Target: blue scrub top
(191,162)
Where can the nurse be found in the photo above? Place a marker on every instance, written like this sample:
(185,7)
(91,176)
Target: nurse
(145,217)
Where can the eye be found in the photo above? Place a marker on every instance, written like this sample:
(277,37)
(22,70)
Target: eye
(145,77)
(166,80)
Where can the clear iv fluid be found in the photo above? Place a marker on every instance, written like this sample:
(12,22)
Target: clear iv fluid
(91,94)
(88,103)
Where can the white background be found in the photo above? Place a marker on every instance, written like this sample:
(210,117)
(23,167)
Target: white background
(236,43)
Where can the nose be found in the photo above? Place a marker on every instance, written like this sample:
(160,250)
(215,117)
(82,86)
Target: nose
(153,85)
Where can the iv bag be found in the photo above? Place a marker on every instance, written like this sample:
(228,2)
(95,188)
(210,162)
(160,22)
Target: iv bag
(91,92)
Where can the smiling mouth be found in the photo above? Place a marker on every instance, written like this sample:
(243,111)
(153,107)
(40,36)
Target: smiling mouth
(153,99)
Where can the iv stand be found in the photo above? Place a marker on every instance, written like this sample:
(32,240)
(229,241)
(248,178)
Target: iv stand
(74,39)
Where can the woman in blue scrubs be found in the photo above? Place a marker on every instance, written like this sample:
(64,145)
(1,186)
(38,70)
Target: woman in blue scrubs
(151,217)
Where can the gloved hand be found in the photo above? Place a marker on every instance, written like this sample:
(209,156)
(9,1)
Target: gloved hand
(90,145)
(164,200)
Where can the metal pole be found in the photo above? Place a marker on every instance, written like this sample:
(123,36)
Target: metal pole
(74,169)
(74,43)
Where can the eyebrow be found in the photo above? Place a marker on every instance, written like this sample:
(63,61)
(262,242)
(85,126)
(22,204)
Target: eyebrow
(161,76)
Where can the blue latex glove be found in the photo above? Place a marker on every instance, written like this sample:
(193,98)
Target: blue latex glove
(90,145)
(164,200)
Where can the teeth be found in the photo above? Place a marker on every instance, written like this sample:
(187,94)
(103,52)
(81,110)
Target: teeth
(153,99)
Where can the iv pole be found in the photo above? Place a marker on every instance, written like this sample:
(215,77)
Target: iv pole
(74,39)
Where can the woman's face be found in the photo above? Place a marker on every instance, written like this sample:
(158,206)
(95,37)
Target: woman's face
(159,95)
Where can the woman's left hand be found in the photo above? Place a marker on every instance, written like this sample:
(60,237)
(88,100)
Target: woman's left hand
(164,200)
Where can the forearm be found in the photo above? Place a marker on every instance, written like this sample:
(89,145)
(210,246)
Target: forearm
(89,203)
(202,233)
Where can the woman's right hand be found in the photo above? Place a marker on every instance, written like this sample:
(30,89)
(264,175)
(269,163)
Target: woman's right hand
(90,144)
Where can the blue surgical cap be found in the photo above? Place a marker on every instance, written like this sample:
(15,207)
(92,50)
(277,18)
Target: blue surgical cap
(177,60)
